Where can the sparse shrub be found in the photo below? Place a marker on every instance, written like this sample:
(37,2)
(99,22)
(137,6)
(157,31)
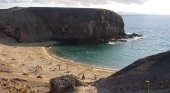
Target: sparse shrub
(39,76)
(25,74)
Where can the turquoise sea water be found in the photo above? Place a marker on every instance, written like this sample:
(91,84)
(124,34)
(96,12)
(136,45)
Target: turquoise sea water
(156,38)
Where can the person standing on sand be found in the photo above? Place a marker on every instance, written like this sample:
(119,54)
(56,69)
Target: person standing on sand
(83,77)
(67,66)
(95,77)
(59,66)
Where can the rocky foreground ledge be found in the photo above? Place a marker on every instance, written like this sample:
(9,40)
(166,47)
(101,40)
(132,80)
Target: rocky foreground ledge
(151,73)
(86,25)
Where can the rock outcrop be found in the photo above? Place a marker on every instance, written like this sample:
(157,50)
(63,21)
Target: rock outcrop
(132,79)
(61,24)
(63,83)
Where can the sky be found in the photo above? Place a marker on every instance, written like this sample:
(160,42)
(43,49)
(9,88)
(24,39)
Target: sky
(158,7)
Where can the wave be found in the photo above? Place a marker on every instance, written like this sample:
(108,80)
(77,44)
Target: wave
(131,39)
(128,33)
(111,43)
(124,40)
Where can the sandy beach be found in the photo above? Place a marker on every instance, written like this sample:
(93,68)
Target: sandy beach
(29,60)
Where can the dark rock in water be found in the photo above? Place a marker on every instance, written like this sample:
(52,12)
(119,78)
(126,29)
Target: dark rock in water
(64,83)
(132,79)
(126,37)
(61,24)
(118,40)
(132,35)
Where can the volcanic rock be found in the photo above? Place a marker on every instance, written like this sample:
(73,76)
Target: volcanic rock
(83,25)
(63,83)
(134,78)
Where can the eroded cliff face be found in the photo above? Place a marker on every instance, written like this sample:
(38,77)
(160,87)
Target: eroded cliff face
(61,24)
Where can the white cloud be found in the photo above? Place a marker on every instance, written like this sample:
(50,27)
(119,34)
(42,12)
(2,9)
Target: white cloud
(14,1)
(74,2)
(131,1)
(136,6)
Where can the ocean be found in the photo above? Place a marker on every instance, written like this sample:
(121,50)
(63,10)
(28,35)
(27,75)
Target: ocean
(156,38)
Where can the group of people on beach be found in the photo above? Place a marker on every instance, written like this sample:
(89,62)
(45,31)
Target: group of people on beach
(95,77)
(39,68)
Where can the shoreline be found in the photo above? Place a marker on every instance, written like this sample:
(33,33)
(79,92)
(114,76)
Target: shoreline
(50,54)
(29,56)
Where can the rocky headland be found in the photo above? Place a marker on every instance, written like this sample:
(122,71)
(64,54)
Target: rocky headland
(73,25)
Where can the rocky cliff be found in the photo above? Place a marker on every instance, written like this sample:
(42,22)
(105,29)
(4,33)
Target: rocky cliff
(132,79)
(61,24)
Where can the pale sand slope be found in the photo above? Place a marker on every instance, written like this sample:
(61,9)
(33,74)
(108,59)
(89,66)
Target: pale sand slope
(25,58)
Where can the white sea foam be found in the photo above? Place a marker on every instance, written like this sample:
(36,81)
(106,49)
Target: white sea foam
(128,33)
(136,38)
(124,40)
(111,43)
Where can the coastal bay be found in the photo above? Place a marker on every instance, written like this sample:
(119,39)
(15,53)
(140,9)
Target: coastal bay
(22,60)
(118,54)
(30,63)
